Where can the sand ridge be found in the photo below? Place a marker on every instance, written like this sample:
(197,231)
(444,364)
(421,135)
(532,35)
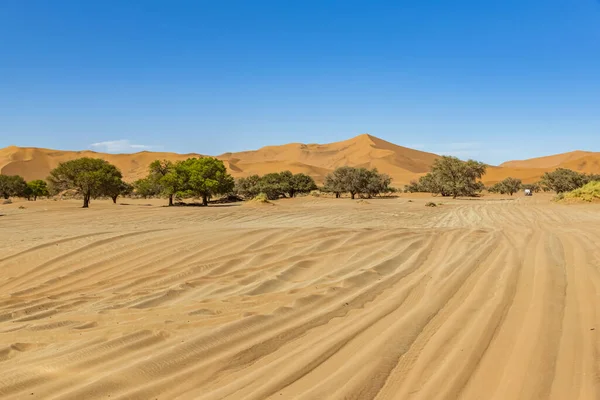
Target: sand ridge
(492,298)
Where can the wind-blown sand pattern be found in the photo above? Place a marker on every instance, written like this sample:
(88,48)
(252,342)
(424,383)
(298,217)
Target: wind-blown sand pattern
(308,299)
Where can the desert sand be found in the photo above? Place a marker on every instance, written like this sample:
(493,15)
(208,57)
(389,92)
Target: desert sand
(317,160)
(313,298)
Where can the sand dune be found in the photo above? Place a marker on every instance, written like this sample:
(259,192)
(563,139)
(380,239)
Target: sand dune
(317,160)
(310,299)
(402,163)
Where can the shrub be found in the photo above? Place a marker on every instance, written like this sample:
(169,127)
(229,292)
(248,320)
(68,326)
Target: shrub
(357,181)
(507,186)
(275,185)
(563,180)
(12,186)
(588,193)
(430,204)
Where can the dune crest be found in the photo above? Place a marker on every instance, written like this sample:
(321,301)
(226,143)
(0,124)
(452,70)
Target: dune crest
(317,160)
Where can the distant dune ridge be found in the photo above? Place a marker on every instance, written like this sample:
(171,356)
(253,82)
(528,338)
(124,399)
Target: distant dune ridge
(317,160)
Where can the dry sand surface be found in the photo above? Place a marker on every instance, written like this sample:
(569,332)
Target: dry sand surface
(312,298)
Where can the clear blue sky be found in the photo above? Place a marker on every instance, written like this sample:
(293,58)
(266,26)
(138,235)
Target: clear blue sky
(494,80)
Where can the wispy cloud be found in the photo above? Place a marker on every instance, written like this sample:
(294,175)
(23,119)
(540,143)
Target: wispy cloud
(119,146)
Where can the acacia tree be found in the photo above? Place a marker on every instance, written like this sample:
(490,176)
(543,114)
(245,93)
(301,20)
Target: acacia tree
(451,176)
(37,188)
(90,177)
(164,175)
(204,177)
(118,188)
(507,186)
(357,181)
(248,187)
(12,186)
(563,180)
(301,183)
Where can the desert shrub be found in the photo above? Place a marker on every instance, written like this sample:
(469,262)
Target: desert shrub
(563,180)
(275,185)
(534,187)
(89,177)
(357,181)
(37,188)
(507,186)
(588,193)
(430,204)
(450,176)
(12,186)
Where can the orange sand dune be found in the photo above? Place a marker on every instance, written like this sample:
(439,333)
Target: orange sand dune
(402,163)
(317,160)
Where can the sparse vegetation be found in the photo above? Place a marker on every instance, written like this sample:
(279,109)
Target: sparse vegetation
(588,193)
(450,176)
(90,177)
(430,204)
(275,185)
(37,188)
(565,180)
(507,186)
(12,186)
(357,181)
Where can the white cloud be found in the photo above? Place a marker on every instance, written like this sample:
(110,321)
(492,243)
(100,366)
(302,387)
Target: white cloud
(119,146)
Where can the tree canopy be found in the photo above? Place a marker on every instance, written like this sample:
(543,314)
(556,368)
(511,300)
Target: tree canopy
(90,177)
(565,180)
(357,181)
(12,186)
(203,177)
(37,188)
(275,185)
(451,176)
(507,186)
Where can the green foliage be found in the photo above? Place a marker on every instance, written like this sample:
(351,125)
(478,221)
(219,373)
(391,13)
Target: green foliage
(37,188)
(164,177)
(12,186)
(203,177)
(507,186)
(450,176)
(563,180)
(588,193)
(90,177)
(275,185)
(147,188)
(248,187)
(534,187)
(357,181)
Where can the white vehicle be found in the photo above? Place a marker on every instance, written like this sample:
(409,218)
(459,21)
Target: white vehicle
(528,192)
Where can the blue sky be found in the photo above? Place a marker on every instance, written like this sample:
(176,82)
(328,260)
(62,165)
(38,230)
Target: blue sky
(492,80)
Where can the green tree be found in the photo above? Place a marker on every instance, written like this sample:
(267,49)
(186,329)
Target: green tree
(164,175)
(118,188)
(563,180)
(275,185)
(248,187)
(90,177)
(147,188)
(37,188)
(12,186)
(204,177)
(507,186)
(453,177)
(301,183)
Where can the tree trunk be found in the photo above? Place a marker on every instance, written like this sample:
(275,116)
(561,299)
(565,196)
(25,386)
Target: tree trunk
(204,200)
(337,195)
(86,200)
(114,199)
(170,200)
(34,198)
(352,194)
